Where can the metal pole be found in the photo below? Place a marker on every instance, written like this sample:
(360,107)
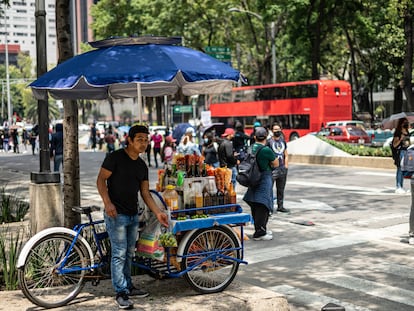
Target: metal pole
(6,45)
(273,35)
(42,105)
(167,124)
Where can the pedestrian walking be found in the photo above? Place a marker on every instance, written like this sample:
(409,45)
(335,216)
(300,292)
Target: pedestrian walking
(400,143)
(226,154)
(122,176)
(56,147)
(279,173)
(157,139)
(210,150)
(260,198)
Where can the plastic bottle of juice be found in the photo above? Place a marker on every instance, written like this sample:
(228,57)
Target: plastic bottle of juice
(170,197)
(198,197)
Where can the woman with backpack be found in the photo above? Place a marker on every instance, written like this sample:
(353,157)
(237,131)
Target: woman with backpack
(399,145)
(260,197)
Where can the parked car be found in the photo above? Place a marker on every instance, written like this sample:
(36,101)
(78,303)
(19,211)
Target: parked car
(380,136)
(356,123)
(387,142)
(84,127)
(347,134)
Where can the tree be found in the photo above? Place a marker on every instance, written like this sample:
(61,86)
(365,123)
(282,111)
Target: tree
(71,188)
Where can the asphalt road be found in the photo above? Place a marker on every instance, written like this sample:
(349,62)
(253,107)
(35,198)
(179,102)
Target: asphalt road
(355,254)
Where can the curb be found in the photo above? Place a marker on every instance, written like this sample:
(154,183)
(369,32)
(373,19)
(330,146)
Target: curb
(166,295)
(357,161)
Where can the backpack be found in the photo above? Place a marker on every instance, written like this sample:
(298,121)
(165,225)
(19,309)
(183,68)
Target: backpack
(395,154)
(407,163)
(249,174)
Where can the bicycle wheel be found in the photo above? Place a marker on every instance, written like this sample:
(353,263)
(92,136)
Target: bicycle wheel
(40,280)
(208,257)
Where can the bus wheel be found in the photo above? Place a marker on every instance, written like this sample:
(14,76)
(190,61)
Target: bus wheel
(293,136)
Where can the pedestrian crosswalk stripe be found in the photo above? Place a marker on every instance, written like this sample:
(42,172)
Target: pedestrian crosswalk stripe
(351,188)
(376,289)
(256,255)
(311,300)
(393,268)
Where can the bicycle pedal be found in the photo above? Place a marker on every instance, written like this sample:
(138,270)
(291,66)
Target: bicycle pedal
(95,282)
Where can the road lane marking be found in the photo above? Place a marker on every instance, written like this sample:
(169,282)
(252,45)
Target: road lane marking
(311,300)
(257,254)
(350,188)
(376,289)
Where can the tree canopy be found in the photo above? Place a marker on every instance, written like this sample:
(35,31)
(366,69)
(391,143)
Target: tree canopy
(369,43)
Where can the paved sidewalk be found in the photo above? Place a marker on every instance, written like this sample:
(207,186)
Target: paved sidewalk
(165,295)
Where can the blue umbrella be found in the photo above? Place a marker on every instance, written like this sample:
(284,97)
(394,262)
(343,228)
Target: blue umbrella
(124,128)
(179,130)
(135,69)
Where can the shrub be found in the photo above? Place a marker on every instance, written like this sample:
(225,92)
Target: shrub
(359,150)
(12,208)
(10,247)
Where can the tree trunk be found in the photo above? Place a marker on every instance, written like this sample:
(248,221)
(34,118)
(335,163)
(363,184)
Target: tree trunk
(398,99)
(408,60)
(71,188)
(111,106)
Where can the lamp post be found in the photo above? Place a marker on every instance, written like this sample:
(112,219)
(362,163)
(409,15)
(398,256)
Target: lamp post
(6,48)
(272,35)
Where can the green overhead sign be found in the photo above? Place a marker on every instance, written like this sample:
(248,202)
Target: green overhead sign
(183,109)
(219,52)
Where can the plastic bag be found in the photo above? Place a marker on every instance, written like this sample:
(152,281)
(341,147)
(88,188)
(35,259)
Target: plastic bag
(148,244)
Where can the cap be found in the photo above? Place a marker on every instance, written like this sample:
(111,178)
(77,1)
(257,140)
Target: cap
(189,130)
(227,132)
(260,133)
(170,139)
(137,129)
(256,124)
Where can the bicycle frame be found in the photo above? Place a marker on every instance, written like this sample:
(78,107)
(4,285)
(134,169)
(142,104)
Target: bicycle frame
(97,238)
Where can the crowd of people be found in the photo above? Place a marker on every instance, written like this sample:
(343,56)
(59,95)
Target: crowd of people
(15,139)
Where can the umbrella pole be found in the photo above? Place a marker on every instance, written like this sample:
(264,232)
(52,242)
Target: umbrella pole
(139,94)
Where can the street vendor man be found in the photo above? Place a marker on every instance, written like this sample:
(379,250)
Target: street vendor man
(122,176)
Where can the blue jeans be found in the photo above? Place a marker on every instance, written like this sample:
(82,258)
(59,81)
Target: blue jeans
(233,176)
(399,176)
(123,234)
(57,160)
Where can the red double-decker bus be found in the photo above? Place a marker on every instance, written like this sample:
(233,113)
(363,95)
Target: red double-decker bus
(301,107)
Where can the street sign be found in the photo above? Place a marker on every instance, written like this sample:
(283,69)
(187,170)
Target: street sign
(183,109)
(221,53)
(217,49)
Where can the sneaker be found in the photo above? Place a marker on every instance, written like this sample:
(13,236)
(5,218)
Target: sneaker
(138,292)
(266,237)
(123,301)
(411,240)
(283,210)
(269,232)
(400,191)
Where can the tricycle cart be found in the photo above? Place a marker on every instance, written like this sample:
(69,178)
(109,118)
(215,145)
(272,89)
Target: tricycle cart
(209,249)
(55,263)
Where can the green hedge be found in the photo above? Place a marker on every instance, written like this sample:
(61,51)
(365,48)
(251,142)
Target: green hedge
(359,150)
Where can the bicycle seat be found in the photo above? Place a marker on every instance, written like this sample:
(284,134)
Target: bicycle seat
(86,209)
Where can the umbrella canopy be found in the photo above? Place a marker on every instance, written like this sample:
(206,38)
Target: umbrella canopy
(392,121)
(124,128)
(180,129)
(131,70)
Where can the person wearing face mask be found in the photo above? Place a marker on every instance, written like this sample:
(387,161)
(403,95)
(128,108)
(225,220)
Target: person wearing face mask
(400,143)
(279,174)
(209,150)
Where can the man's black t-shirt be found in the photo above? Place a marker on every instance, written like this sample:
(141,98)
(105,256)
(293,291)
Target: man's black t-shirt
(125,181)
